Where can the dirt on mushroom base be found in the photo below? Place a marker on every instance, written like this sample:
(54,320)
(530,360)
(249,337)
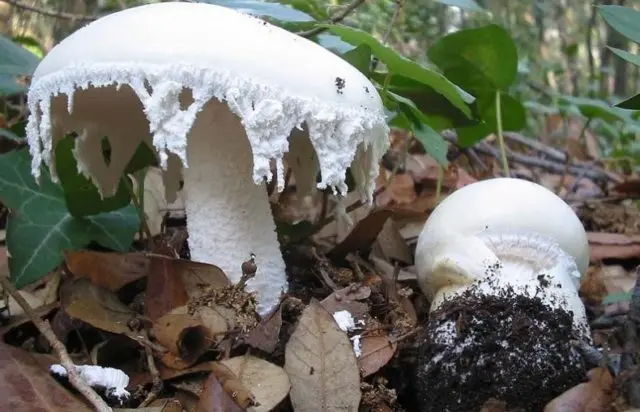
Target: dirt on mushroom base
(510,348)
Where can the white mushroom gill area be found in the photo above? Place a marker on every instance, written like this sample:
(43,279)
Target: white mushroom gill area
(528,263)
(268,114)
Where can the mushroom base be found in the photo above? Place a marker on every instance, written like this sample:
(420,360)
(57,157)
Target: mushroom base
(508,348)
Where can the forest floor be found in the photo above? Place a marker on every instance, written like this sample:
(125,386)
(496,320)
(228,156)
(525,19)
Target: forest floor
(187,339)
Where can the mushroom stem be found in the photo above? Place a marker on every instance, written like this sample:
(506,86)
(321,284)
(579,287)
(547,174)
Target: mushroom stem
(228,216)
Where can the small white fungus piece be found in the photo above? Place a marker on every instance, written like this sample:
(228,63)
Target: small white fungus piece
(114,381)
(345,320)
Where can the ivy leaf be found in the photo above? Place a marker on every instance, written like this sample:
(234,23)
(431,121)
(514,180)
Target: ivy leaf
(81,195)
(40,226)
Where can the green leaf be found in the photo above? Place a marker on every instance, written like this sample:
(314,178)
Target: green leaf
(432,142)
(625,55)
(81,195)
(15,61)
(483,58)
(399,65)
(141,159)
(360,58)
(463,4)
(441,112)
(40,227)
(594,109)
(413,119)
(632,103)
(624,20)
(513,115)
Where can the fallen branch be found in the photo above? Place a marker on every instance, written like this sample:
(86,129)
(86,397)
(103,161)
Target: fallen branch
(590,171)
(45,328)
(348,9)
(50,13)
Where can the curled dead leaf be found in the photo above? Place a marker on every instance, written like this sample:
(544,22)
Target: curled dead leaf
(183,335)
(321,364)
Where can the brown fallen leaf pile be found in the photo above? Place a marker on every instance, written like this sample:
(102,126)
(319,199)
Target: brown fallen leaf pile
(190,340)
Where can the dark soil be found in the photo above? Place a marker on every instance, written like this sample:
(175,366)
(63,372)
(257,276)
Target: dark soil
(509,348)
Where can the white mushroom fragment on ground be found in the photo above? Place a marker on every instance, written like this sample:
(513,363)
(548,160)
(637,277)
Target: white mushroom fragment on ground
(500,261)
(226,94)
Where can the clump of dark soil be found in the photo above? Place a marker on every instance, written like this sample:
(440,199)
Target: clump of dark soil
(509,348)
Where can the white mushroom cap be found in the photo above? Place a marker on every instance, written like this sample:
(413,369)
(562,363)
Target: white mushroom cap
(510,230)
(124,76)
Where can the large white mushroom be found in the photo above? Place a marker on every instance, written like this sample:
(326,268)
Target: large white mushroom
(511,232)
(221,94)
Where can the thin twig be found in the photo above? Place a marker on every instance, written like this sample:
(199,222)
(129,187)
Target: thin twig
(387,34)
(51,13)
(587,170)
(157,381)
(45,328)
(348,9)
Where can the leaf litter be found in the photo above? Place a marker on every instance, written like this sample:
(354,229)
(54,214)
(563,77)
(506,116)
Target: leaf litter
(211,351)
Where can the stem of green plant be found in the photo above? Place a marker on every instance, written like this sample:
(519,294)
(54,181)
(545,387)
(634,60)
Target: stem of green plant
(439,183)
(503,147)
(139,209)
(584,129)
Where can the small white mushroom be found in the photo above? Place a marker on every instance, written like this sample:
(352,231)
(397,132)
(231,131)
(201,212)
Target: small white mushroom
(501,233)
(225,94)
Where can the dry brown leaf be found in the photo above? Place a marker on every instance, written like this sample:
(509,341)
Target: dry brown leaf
(108,270)
(391,245)
(96,306)
(268,383)
(613,246)
(25,385)
(601,281)
(197,277)
(592,396)
(183,335)
(165,288)
(348,299)
(363,234)
(377,351)
(215,399)
(265,335)
(155,200)
(400,190)
(321,364)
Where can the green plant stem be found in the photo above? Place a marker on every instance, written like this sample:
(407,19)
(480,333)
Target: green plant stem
(503,147)
(584,129)
(439,183)
(139,209)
